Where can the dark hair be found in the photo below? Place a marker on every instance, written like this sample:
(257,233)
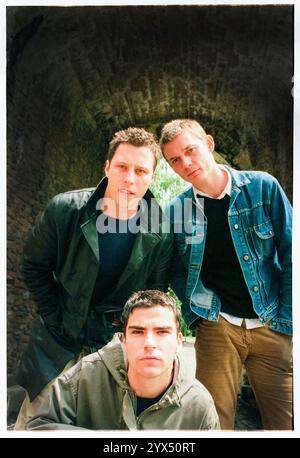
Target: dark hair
(147,299)
(172,129)
(137,137)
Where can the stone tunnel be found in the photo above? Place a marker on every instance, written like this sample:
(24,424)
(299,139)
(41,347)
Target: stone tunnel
(75,75)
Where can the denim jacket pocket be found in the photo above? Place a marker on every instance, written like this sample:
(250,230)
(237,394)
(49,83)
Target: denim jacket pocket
(264,238)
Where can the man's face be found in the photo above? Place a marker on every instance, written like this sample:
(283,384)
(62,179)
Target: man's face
(151,341)
(129,173)
(191,157)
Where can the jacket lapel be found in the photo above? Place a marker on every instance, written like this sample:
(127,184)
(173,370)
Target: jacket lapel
(89,227)
(90,232)
(143,244)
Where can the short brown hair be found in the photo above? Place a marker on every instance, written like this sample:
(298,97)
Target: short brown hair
(137,137)
(147,299)
(172,129)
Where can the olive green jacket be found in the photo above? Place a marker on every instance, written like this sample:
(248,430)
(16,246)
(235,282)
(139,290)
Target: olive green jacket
(95,394)
(60,267)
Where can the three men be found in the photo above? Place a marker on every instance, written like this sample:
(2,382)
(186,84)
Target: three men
(89,251)
(139,384)
(233,274)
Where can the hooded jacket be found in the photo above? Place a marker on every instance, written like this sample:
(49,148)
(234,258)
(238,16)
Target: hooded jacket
(95,394)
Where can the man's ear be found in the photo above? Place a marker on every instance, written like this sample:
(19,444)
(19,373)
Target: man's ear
(210,143)
(107,164)
(179,340)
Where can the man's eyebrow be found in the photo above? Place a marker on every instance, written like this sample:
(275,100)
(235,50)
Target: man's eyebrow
(163,327)
(183,149)
(135,327)
(143,327)
(189,146)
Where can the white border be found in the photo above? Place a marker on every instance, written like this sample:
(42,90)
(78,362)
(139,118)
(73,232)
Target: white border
(296,232)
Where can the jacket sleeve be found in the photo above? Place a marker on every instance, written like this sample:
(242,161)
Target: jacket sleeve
(39,262)
(211,418)
(56,408)
(281,215)
(178,281)
(160,275)
(178,271)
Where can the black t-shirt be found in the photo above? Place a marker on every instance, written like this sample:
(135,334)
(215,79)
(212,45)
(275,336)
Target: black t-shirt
(144,403)
(221,270)
(115,247)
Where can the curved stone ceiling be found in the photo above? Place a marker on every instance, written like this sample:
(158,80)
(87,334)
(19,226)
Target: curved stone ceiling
(91,70)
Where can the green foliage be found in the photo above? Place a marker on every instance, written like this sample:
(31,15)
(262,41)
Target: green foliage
(166,184)
(183,327)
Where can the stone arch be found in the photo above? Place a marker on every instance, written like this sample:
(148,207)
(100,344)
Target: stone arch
(76,75)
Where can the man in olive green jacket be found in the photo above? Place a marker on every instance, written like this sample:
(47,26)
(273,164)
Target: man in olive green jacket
(139,384)
(80,273)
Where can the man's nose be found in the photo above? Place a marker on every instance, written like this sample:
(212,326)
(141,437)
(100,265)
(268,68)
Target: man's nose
(186,162)
(129,176)
(150,340)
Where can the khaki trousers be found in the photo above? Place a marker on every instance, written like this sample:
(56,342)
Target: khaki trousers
(221,351)
(28,409)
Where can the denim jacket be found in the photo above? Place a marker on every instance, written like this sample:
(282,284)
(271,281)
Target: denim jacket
(260,222)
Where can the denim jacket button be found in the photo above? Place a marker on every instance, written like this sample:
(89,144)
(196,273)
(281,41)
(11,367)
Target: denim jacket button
(236,226)
(246,257)
(255,289)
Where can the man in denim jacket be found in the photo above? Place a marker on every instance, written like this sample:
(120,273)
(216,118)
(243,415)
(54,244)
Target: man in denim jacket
(233,274)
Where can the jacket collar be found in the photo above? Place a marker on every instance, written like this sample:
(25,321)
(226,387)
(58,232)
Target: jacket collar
(239,179)
(115,360)
(146,239)
(91,205)
(147,203)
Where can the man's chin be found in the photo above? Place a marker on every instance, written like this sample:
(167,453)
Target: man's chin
(151,369)
(129,203)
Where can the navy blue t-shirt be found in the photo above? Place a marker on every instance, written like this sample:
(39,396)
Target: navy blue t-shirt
(115,247)
(143,403)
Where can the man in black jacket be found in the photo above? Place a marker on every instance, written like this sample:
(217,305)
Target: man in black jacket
(89,251)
